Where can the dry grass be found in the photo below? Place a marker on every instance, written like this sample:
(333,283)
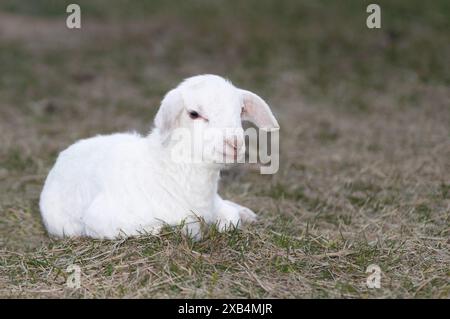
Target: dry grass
(365,169)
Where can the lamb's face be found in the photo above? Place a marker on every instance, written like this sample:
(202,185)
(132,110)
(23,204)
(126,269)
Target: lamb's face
(212,112)
(206,112)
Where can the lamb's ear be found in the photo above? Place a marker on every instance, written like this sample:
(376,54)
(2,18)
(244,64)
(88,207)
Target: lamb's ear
(169,111)
(256,110)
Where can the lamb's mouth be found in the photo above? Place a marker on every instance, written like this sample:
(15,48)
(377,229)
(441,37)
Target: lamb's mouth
(224,156)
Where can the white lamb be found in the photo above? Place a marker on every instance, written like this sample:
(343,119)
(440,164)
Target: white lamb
(127,184)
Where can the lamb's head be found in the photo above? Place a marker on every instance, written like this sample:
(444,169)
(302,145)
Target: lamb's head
(206,112)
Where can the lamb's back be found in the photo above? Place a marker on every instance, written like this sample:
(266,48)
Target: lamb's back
(81,172)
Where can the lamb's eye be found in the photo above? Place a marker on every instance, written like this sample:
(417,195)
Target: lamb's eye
(194,115)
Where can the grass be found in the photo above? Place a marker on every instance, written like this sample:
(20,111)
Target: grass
(364,172)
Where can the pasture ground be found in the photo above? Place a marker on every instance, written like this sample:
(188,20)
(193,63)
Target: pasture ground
(365,144)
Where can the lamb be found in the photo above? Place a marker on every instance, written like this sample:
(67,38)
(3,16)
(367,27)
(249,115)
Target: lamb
(126,184)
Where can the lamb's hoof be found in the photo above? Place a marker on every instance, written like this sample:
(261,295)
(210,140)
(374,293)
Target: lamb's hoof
(247,216)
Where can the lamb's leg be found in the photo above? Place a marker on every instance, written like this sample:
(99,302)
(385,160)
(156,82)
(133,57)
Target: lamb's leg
(246,215)
(229,214)
(192,227)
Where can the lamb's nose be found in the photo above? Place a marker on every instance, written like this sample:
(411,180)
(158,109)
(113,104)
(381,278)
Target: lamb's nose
(235,142)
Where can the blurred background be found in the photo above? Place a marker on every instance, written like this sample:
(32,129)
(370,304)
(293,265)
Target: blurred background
(364,115)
